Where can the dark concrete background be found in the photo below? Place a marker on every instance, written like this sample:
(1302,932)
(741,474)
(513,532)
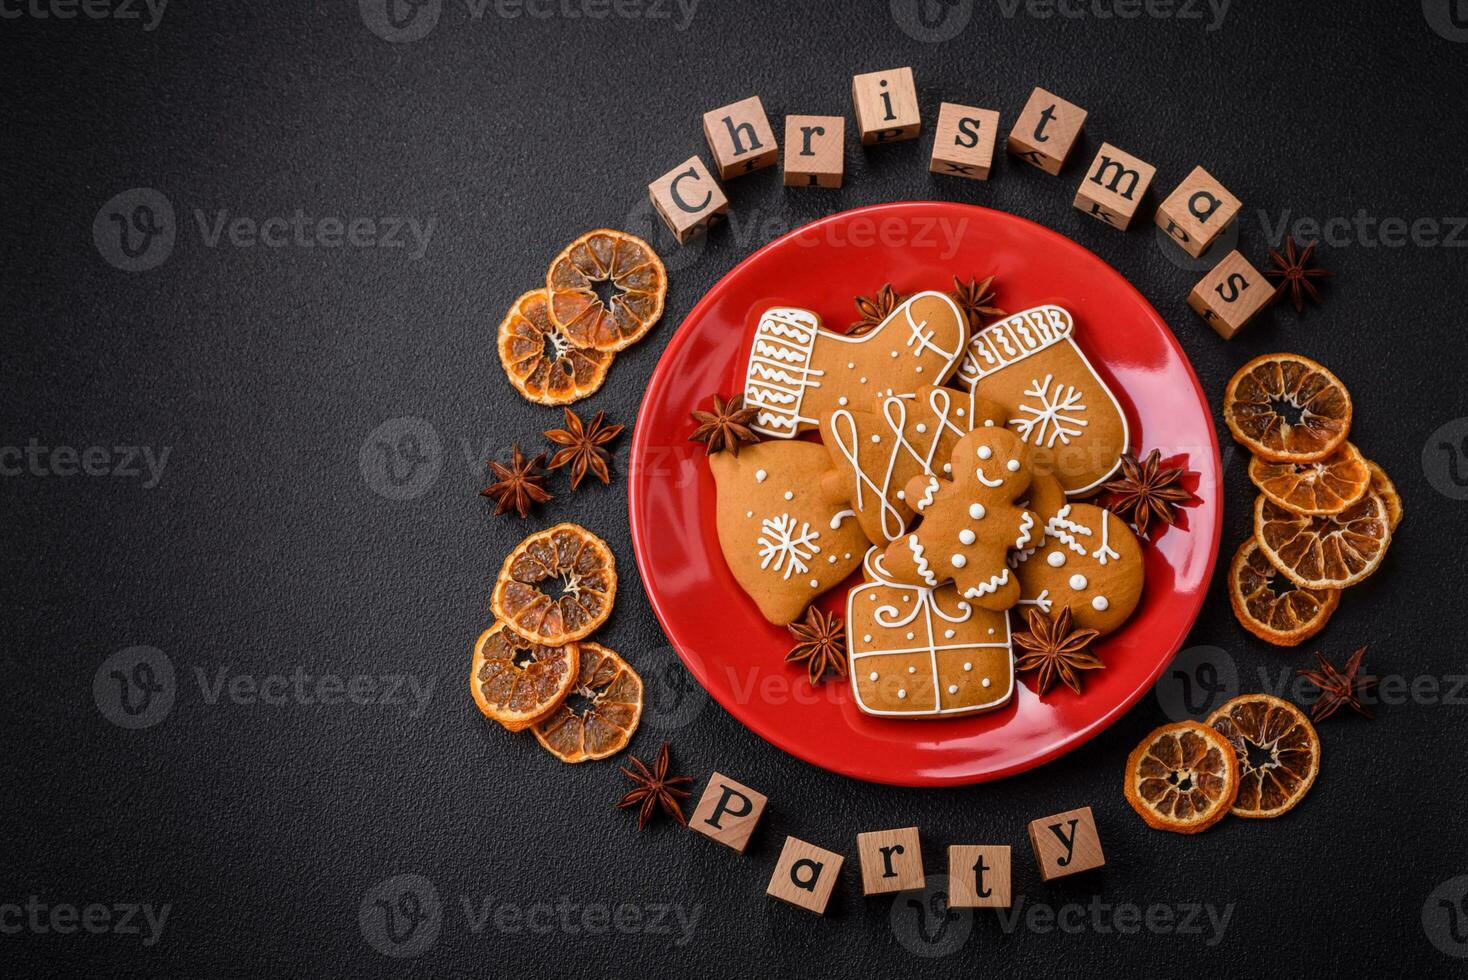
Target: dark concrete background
(267,548)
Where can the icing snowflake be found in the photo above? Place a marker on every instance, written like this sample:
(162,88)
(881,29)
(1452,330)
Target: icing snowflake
(785,549)
(1057,413)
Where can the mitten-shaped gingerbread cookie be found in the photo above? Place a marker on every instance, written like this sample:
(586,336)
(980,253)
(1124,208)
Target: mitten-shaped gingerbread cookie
(1088,560)
(970,522)
(1030,364)
(784,542)
(799,373)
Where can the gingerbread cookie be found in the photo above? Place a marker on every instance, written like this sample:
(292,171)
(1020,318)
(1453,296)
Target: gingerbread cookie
(1030,364)
(970,522)
(924,653)
(1088,560)
(784,542)
(798,372)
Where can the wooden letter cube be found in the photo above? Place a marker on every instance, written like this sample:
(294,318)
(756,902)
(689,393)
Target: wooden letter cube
(728,812)
(1196,212)
(805,875)
(1066,844)
(688,198)
(978,876)
(1046,131)
(891,861)
(1113,187)
(1230,295)
(886,106)
(964,140)
(740,137)
(815,151)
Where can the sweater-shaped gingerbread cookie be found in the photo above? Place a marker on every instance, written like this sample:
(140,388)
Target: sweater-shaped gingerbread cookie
(971,522)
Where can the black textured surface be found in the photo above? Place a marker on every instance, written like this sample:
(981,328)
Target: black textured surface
(263,548)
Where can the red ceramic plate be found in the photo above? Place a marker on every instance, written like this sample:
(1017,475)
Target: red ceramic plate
(738,657)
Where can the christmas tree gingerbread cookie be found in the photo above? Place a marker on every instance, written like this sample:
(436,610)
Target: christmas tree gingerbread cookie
(784,542)
(971,520)
(916,652)
(1087,559)
(798,372)
(1030,364)
(875,450)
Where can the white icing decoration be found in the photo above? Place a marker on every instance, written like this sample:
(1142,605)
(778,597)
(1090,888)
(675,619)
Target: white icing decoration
(922,563)
(850,365)
(749,513)
(968,666)
(1041,601)
(985,452)
(911,670)
(1100,603)
(1012,466)
(789,495)
(952,688)
(901,693)
(958,561)
(841,515)
(985,682)
(929,492)
(989,587)
(1078,582)
(948,634)
(873,674)
(760,476)
(815,584)
(842,400)
(977,511)
(867,637)
(947,468)
(1026,524)
(831,559)
(785,549)
(1105,553)
(920,428)
(1064,530)
(1055,559)
(902,495)
(967,536)
(1058,413)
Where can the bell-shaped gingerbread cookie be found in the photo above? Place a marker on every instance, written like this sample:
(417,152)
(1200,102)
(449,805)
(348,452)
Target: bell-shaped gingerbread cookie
(877,448)
(970,522)
(784,542)
(1087,559)
(798,372)
(924,653)
(1030,364)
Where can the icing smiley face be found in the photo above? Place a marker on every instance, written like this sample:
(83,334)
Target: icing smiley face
(971,522)
(1088,560)
(798,372)
(783,541)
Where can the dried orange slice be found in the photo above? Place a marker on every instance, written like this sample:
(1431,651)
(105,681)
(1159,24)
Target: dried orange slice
(1327,486)
(1182,778)
(557,585)
(517,682)
(1383,487)
(599,716)
(606,289)
(1277,749)
(1271,606)
(540,362)
(1332,551)
(1287,408)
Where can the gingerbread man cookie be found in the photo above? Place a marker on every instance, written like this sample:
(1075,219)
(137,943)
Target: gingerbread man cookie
(784,542)
(1030,364)
(970,522)
(1087,559)
(924,653)
(798,372)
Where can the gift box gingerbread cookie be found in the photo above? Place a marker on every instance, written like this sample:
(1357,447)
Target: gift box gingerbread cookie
(916,652)
(1030,364)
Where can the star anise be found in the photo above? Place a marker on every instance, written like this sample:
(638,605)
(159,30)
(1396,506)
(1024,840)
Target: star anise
(1294,272)
(1146,490)
(974,297)
(520,485)
(654,788)
(1338,687)
(1056,651)
(583,452)
(820,642)
(873,311)
(726,427)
